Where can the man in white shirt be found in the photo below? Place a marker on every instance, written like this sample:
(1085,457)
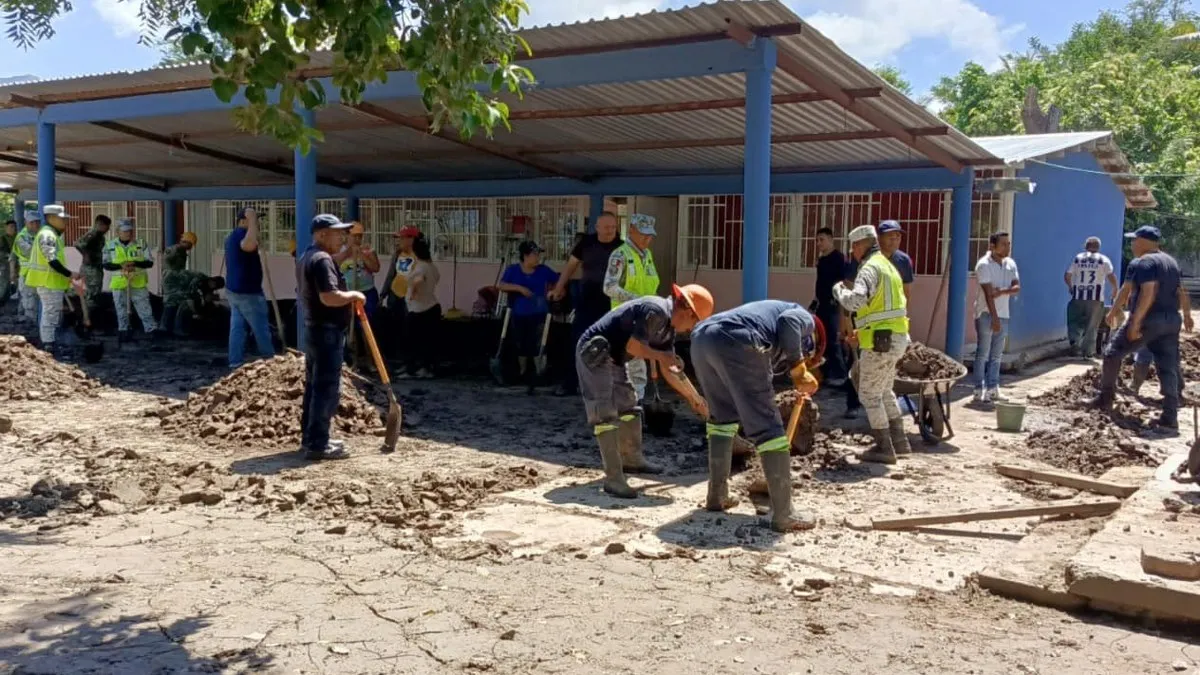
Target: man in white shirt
(1086,278)
(998,280)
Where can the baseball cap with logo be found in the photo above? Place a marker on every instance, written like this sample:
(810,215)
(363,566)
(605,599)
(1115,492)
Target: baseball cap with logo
(328,221)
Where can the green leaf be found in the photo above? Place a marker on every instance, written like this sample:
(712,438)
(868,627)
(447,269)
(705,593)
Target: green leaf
(224,88)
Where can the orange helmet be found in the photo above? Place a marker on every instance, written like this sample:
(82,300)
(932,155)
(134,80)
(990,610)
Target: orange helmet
(697,298)
(357,227)
(189,237)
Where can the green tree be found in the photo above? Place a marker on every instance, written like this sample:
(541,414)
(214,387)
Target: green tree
(1121,72)
(893,76)
(462,52)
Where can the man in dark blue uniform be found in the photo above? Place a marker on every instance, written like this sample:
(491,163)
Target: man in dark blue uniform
(736,355)
(1152,287)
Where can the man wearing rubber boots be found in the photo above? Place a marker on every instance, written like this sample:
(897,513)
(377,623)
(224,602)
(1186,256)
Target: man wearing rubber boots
(48,274)
(881,320)
(644,328)
(736,355)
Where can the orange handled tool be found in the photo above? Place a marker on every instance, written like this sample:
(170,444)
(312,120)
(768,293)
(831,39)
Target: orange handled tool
(392,427)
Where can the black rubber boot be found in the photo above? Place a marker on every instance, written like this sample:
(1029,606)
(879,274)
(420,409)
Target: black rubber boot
(1102,402)
(777,468)
(883,452)
(720,464)
(632,458)
(900,443)
(614,478)
(1141,371)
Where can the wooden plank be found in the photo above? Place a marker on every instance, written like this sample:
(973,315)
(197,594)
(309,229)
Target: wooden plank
(1096,508)
(1072,480)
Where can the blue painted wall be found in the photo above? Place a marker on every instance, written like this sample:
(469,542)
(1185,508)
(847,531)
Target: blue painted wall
(1049,228)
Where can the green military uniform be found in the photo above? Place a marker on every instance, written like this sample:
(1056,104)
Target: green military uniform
(181,290)
(6,278)
(23,251)
(91,246)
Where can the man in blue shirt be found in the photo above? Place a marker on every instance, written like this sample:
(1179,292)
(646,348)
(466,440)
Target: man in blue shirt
(1152,288)
(736,355)
(527,283)
(243,289)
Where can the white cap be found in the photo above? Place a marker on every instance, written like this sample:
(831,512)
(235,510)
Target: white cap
(861,232)
(56,210)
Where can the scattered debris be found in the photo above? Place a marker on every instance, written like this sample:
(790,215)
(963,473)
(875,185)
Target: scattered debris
(1090,444)
(260,403)
(31,374)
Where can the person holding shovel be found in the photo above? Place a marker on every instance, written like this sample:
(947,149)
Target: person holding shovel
(128,258)
(528,282)
(325,297)
(644,328)
(48,274)
(736,355)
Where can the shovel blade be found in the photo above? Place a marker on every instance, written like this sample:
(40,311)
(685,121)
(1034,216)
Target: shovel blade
(391,431)
(540,363)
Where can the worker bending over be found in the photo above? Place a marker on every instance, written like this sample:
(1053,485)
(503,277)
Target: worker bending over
(736,355)
(181,287)
(48,274)
(881,321)
(644,328)
(631,274)
(128,259)
(23,250)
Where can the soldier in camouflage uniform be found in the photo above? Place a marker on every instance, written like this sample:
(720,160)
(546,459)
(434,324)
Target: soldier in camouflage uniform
(48,273)
(91,246)
(129,258)
(23,252)
(181,286)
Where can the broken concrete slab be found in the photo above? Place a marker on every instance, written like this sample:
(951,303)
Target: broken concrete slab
(1171,560)
(530,531)
(1108,569)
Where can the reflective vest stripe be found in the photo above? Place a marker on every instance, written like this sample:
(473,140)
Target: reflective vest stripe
(119,254)
(887,309)
(641,277)
(40,275)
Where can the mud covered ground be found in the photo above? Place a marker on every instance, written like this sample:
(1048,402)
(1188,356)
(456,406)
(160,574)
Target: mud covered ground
(132,546)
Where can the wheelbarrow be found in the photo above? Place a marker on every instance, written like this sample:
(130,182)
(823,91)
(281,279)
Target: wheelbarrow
(931,411)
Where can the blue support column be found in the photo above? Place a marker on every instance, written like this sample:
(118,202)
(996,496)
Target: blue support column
(170,235)
(756,203)
(960,251)
(595,210)
(352,212)
(45,163)
(19,213)
(306,208)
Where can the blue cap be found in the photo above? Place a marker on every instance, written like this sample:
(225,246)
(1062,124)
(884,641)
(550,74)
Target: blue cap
(327,221)
(125,225)
(644,224)
(889,226)
(1147,232)
(32,214)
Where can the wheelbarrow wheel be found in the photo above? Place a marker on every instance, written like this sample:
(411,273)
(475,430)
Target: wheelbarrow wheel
(932,421)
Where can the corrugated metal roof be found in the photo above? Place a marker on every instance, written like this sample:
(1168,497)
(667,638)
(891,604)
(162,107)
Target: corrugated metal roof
(1039,147)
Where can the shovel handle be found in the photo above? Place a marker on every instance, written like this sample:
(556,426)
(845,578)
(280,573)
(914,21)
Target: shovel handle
(370,338)
(794,420)
(503,332)
(545,335)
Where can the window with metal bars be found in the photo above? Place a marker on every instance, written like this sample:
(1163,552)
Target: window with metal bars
(988,216)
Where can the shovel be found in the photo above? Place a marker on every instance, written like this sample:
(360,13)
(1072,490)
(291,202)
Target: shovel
(496,366)
(660,415)
(392,427)
(794,421)
(540,361)
(274,301)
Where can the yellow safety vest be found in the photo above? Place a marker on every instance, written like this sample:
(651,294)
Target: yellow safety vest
(120,253)
(888,309)
(641,277)
(40,275)
(22,259)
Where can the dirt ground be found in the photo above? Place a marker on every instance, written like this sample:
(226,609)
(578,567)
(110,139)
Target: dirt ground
(132,545)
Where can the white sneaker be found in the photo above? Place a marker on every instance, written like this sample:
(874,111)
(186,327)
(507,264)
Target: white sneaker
(981,396)
(995,396)
(424,374)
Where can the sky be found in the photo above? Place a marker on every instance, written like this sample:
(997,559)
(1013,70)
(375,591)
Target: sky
(926,39)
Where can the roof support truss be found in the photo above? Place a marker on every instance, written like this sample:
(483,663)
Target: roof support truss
(738,141)
(84,172)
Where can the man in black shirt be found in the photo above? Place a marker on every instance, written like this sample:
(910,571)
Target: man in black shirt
(591,254)
(325,300)
(831,267)
(639,329)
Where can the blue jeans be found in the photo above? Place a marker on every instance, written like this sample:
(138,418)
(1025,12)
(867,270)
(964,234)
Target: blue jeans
(989,349)
(323,354)
(248,308)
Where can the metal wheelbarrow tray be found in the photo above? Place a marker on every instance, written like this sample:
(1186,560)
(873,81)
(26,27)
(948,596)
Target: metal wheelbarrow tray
(931,412)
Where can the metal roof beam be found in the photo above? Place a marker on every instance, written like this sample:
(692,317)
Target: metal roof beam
(738,141)
(450,136)
(676,107)
(672,61)
(221,155)
(84,172)
(822,84)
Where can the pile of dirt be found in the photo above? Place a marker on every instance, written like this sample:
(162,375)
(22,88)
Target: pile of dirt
(260,403)
(1090,445)
(120,480)
(921,362)
(1075,393)
(802,444)
(30,374)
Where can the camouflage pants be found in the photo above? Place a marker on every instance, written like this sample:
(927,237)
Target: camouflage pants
(93,282)
(4,278)
(29,300)
(876,377)
(638,375)
(52,306)
(140,299)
